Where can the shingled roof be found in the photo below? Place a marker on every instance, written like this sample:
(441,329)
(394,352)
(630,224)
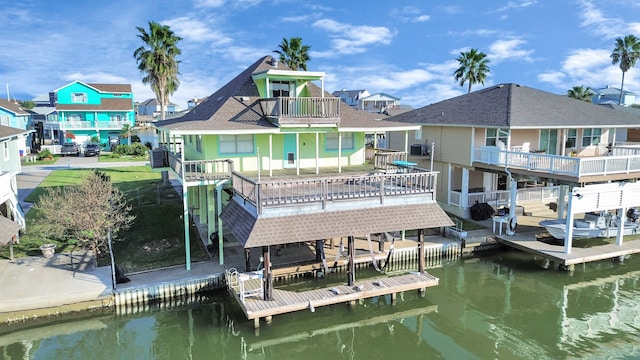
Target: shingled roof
(515,106)
(8,132)
(236,106)
(251,231)
(105,104)
(13,107)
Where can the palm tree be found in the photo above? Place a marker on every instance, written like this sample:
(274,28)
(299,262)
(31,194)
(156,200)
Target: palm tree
(293,53)
(126,132)
(473,68)
(626,52)
(157,60)
(580,93)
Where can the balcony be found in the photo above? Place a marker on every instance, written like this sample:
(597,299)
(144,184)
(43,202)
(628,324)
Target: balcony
(296,111)
(90,124)
(575,169)
(195,170)
(333,192)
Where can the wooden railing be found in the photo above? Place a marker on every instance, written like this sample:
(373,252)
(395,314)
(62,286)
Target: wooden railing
(277,193)
(383,158)
(302,110)
(556,164)
(192,170)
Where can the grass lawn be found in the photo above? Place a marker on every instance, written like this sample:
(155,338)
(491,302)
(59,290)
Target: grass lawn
(156,238)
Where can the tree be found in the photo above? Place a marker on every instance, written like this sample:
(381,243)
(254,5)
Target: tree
(84,214)
(580,93)
(626,52)
(473,68)
(157,60)
(27,104)
(293,53)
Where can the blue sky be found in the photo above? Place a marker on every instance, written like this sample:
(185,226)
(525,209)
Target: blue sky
(403,48)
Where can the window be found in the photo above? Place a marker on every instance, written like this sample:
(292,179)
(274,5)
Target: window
(236,144)
(493,135)
(74,117)
(78,97)
(199,143)
(6,150)
(419,134)
(116,117)
(279,88)
(591,137)
(572,136)
(331,141)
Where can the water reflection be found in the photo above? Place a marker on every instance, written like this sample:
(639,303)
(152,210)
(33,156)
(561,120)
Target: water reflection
(501,306)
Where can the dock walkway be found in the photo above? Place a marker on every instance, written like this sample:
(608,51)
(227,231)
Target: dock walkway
(284,301)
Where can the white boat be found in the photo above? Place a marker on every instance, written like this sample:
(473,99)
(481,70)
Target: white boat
(593,225)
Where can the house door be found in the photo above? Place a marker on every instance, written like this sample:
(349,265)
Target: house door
(549,141)
(290,151)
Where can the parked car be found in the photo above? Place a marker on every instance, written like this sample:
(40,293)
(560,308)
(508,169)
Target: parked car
(70,148)
(92,150)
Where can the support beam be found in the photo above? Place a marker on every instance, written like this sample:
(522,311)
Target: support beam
(319,249)
(187,226)
(351,270)
(247,260)
(267,278)
(421,250)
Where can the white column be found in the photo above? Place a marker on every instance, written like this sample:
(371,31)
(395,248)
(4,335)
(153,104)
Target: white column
(339,152)
(317,154)
(270,154)
(464,196)
(297,154)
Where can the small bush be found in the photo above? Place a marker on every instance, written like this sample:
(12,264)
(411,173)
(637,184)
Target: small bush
(45,155)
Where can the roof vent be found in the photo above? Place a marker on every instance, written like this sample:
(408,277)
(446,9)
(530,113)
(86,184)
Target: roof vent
(244,98)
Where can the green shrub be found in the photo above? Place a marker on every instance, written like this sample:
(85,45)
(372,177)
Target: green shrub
(135,149)
(45,154)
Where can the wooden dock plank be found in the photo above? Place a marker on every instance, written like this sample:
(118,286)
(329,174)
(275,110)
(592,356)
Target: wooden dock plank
(527,242)
(287,301)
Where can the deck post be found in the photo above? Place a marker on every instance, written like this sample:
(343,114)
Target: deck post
(267,279)
(256,323)
(319,249)
(247,260)
(380,242)
(421,250)
(351,270)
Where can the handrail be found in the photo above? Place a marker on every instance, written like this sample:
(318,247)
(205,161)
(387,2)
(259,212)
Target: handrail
(557,164)
(279,192)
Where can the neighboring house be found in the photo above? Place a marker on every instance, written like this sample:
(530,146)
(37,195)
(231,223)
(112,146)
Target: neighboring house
(151,107)
(508,137)
(351,97)
(87,110)
(611,95)
(378,103)
(195,101)
(45,125)
(13,115)
(295,160)
(10,166)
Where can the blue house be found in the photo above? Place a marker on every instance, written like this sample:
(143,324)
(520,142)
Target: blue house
(87,110)
(13,115)
(11,139)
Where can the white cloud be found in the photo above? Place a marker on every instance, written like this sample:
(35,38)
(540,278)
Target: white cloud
(209,3)
(351,39)
(409,14)
(517,5)
(196,30)
(597,22)
(507,49)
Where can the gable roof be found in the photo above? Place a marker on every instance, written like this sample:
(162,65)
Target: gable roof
(13,107)
(117,104)
(355,94)
(517,107)
(236,107)
(8,132)
(110,88)
(379,96)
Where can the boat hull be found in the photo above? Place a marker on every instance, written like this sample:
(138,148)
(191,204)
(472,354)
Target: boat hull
(557,229)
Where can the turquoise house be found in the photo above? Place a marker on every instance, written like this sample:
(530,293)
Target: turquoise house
(87,110)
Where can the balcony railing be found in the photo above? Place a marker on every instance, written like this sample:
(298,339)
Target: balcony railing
(90,124)
(500,198)
(383,158)
(559,165)
(302,110)
(326,190)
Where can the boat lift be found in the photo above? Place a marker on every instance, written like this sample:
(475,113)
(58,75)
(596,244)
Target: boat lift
(601,197)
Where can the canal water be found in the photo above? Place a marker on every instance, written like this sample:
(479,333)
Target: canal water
(498,306)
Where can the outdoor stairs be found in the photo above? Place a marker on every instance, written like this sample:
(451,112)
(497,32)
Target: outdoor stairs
(537,208)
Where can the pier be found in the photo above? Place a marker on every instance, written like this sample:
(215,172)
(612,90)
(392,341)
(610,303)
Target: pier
(283,301)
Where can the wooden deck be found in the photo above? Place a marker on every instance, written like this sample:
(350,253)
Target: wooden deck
(290,301)
(527,242)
